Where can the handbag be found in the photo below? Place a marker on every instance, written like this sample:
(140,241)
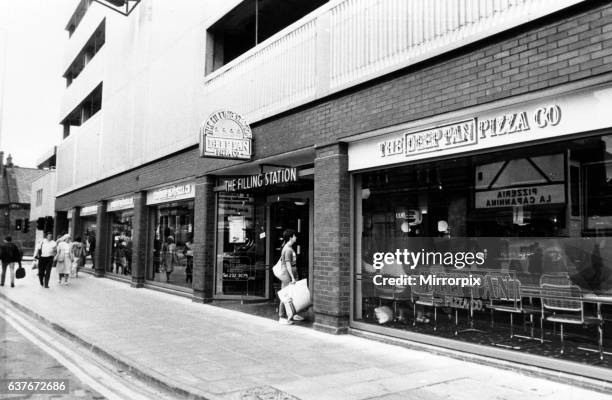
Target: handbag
(60,256)
(295,297)
(277,269)
(20,272)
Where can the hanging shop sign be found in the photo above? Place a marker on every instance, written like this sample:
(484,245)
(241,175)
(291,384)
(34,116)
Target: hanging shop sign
(536,195)
(276,177)
(171,193)
(226,134)
(124,203)
(525,181)
(544,118)
(89,210)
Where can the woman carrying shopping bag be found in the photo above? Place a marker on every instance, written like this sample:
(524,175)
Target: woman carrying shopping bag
(289,275)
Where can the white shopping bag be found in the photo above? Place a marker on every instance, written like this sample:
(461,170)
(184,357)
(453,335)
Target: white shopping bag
(74,269)
(295,297)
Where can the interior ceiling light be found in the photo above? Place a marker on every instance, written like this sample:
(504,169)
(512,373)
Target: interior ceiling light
(124,7)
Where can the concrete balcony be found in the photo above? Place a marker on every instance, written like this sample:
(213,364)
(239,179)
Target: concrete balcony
(92,18)
(78,156)
(347,42)
(88,79)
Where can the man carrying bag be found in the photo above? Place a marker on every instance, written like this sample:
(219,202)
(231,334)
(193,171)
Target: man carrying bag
(10,256)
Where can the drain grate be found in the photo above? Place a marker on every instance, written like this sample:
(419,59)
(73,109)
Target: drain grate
(265,393)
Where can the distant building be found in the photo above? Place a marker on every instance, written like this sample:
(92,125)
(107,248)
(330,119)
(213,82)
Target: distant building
(15,183)
(42,195)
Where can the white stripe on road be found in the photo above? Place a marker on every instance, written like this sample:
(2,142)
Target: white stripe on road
(89,373)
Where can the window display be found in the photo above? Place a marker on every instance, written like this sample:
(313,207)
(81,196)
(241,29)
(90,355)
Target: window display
(469,247)
(88,235)
(121,242)
(172,244)
(241,242)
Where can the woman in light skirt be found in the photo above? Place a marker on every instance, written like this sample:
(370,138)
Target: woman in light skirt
(63,258)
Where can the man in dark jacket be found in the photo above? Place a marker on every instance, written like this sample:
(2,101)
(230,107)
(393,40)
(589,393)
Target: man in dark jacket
(10,256)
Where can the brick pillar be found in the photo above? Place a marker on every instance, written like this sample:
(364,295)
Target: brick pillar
(75,222)
(331,239)
(101,253)
(204,240)
(139,239)
(60,224)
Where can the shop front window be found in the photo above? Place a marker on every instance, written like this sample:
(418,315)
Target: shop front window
(241,246)
(88,235)
(121,242)
(172,244)
(483,248)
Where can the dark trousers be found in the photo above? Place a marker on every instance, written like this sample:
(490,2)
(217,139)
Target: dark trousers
(44,270)
(11,266)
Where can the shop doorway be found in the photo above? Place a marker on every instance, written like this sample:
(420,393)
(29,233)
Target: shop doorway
(276,214)
(291,212)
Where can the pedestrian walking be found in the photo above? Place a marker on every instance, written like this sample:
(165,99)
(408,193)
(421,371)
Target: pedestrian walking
(169,257)
(77,252)
(289,273)
(63,258)
(46,253)
(10,256)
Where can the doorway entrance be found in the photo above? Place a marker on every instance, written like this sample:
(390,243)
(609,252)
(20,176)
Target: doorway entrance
(291,213)
(263,219)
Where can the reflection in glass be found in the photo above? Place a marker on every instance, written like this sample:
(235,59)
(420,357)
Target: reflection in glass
(241,241)
(88,235)
(172,237)
(541,219)
(121,242)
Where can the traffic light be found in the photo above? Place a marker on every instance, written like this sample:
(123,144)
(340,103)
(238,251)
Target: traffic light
(48,224)
(18,225)
(26,225)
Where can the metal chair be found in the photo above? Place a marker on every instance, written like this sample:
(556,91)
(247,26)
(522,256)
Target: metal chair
(423,298)
(393,299)
(511,301)
(564,301)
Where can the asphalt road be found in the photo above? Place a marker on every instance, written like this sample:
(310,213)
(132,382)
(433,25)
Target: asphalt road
(30,349)
(21,358)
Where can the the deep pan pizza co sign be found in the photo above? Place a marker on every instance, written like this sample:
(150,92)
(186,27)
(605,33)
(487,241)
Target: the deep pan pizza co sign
(226,134)
(486,127)
(468,132)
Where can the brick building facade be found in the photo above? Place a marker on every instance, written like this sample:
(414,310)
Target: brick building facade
(562,52)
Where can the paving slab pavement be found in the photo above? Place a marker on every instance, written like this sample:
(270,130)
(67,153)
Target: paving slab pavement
(215,353)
